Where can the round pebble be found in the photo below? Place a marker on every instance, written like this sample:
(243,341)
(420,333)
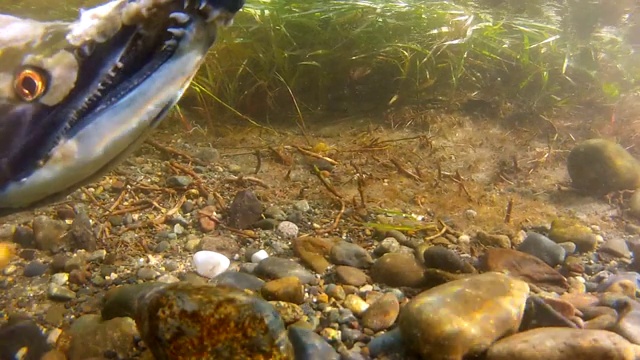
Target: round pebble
(210,263)
(259,256)
(288,229)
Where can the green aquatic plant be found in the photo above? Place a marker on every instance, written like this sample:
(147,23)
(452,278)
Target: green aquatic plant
(284,58)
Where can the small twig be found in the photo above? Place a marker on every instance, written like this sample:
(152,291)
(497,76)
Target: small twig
(317,156)
(247,178)
(118,200)
(195,176)
(93,199)
(161,219)
(132,209)
(507,216)
(404,171)
(172,151)
(440,233)
(326,183)
(259,164)
(335,222)
(361,184)
(282,157)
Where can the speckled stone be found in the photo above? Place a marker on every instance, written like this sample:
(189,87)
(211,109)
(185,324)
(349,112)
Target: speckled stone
(463,317)
(185,321)
(382,314)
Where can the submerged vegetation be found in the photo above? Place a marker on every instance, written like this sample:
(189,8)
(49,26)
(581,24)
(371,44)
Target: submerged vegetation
(287,57)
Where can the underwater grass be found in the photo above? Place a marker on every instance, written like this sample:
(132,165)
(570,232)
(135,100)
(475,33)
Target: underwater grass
(284,58)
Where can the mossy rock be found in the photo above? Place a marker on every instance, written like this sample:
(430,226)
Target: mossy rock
(600,166)
(568,230)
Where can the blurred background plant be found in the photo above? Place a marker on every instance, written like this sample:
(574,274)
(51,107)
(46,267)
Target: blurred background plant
(285,58)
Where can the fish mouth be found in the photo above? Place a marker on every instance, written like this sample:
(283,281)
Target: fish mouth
(132,62)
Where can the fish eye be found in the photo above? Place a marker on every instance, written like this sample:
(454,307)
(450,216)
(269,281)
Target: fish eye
(30,83)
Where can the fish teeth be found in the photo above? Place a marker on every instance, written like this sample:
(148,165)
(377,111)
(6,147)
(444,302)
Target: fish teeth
(179,33)
(180,17)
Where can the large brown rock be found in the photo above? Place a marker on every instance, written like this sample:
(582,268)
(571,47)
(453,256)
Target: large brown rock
(463,317)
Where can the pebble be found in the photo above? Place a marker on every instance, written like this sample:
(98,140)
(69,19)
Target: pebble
(35,268)
(24,237)
(568,230)
(207,219)
(98,255)
(288,289)
(60,293)
(387,245)
(388,343)
(239,280)
(245,210)
(59,278)
(287,229)
(439,257)
(350,275)
(382,314)
(220,244)
(600,166)
(335,291)
(207,154)
(49,233)
(494,240)
(302,205)
(275,212)
(616,248)
(568,247)
(258,256)
(91,337)
(526,267)
(147,273)
(397,270)
(563,344)
(356,304)
(179,181)
(210,263)
(313,252)
(308,345)
(289,312)
(463,317)
(81,234)
(543,248)
(276,268)
(350,254)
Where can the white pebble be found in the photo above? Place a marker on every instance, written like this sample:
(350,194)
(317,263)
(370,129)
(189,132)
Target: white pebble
(288,229)
(60,278)
(52,337)
(259,256)
(464,240)
(210,263)
(470,214)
